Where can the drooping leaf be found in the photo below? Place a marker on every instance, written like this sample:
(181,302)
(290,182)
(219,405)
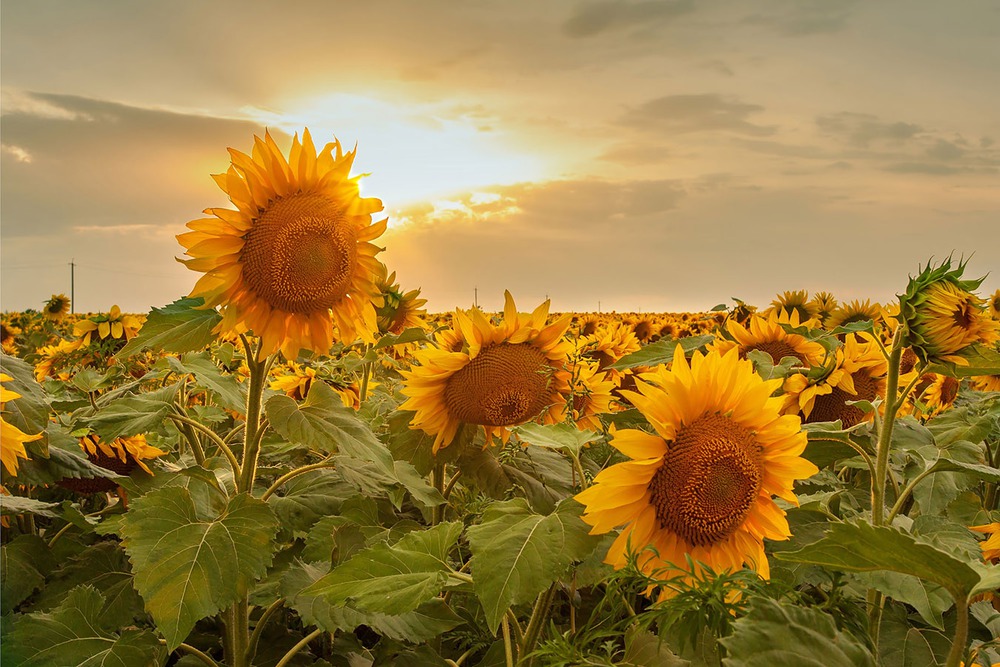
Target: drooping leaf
(902,645)
(189,565)
(556,436)
(227,391)
(134,415)
(428,620)
(411,335)
(324,423)
(392,579)
(930,600)
(661,352)
(781,634)
(860,547)
(980,360)
(72,634)
(105,567)
(11,505)
(24,562)
(517,554)
(181,326)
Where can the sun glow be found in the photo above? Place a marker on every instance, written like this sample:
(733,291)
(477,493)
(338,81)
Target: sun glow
(414,152)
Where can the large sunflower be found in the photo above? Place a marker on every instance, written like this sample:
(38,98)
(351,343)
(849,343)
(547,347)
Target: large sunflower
(294,259)
(702,485)
(505,374)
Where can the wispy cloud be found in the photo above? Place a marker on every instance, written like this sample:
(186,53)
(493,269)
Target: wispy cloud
(681,114)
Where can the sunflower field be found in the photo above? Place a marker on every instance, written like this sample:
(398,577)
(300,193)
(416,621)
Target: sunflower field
(296,464)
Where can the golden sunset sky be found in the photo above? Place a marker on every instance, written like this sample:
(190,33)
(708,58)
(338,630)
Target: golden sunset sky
(645,155)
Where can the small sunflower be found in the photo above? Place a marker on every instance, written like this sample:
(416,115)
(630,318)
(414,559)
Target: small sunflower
(939,393)
(12,438)
(796,302)
(824,304)
(943,316)
(589,324)
(506,375)
(295,259)
(590,395)
(122,456)
(855,311)
(610,343)
(111,325)
(994,305)
(56,307)
(54,358)
(858,375)
(295,382)
(702,485)
(399,310)
(644,329)
(986,382)
(768,334)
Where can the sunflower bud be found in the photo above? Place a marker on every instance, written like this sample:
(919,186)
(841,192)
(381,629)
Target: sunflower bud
(399,310)
(942,315)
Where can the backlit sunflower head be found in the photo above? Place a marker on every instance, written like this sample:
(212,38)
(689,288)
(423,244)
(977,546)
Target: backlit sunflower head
(115,327)
(702,484)
(399,310)
(56,307)
(943,316)
(590,395)
(769,335)
(824,304)
(986,382)
(855,311)
(295,259)
(295,380)
(504,375)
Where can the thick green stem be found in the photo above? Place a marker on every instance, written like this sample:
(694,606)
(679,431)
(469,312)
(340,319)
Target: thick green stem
(238,630)
(187,422)
(961,634)
(438,479)
(251,434)
(892,403)
(508,648)
(298,647)
(539,616)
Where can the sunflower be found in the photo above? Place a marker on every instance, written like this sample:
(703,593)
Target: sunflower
(768,334)
(858,375)
(986,382)
(56,307)
(294,260)
(938,393)
(8,337)
(796,302)
(590,395)
(589,324)
(509,374)
(643,329)
(991,545)
(113,325)
(994,305)
(610,343)
(399,310)
(296,382)
(121,456)
(56,357)
(12,438)
(824,304)
(943,316)
(702,485)
(855,311)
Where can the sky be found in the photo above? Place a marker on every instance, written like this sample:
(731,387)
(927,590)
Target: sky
(615,155)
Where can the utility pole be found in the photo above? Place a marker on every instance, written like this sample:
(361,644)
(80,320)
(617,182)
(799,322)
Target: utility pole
(598,306)
(72,293)
(475,298)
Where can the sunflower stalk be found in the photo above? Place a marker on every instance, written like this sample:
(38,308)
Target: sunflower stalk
(539,616)
(957,651)
(438,477)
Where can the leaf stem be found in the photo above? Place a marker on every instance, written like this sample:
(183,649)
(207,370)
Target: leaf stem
(292,474)
(252,434)
(961,633)
(213,436)
(204,657)
(508,648)
(892,403)
(298,647)
(259,628)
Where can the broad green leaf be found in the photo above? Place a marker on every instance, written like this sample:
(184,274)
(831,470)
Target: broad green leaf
(779,634)
(930,600)
(769,368)
(828,444)
(902,645)
(645,649)
(417,485)
(105,567)
(410,335)
(134,415)
(30,413)
(225,388)
(181,326)
(71,634)
(556,436)
(861,547)
(517,554)
(962,423)
(661,352)
(24,562)
(188,565)
(950,477)
(324,423)
(306,499)
(428,620)
(392,579)
(11,505)
(980,360)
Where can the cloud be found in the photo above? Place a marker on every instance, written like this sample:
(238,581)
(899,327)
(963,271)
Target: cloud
(635,154)
(798,18)
(679,114)
(936,169)
(593,18)
(862,130)
(16,152)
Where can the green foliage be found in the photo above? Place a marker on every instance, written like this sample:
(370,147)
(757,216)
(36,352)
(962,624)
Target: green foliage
(72,634)
(24,562)
(190,561)
(134,415)
(224,388)
(181,326)
(30,412)
(517,554)
(782,634)
(661,352)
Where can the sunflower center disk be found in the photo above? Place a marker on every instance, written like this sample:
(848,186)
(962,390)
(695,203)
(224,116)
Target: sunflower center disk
(709,480)
(505,384)
(301,254)
(833,406)
(778,349)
